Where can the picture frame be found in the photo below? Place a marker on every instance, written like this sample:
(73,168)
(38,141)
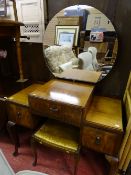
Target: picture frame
(3,8)
(66,35)
(96,36)
(66,38)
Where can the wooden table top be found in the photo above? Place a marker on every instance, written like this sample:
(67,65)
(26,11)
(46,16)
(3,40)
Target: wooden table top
(63,91)
(21,97)
(105,112)
(80,75)
(6,22)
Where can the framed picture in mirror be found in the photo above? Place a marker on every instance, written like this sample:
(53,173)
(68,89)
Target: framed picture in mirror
(66,35)
(66,38)
(3,8)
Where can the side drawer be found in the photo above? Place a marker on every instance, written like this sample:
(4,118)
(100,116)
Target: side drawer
(21,116)
(61,111)
(101,141)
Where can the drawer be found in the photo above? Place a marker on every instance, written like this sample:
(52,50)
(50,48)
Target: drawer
(21,116)
(101,141)
(61,111)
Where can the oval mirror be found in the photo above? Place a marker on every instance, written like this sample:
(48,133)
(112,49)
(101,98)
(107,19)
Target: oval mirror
(79,41)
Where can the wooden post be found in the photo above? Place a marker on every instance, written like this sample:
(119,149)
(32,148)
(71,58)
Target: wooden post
(15,10)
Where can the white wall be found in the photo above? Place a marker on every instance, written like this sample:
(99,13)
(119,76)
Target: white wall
(96,19)
(31,13)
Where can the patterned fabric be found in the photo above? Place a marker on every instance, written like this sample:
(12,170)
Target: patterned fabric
(57,55)
(86,61)
(93,51)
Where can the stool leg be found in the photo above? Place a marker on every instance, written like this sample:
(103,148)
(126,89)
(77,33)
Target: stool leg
(77,158)
(34,151)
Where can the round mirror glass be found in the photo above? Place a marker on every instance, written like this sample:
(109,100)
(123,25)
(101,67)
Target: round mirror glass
(79,39)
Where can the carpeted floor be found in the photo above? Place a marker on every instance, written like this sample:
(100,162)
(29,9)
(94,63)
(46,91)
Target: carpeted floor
(51,161)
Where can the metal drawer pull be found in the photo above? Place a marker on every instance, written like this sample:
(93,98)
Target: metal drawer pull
(54,109)
(18,114)
(98,140)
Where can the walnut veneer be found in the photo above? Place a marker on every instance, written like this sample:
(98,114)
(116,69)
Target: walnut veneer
(18,108)
(70,102)
(103,126)
(62,100)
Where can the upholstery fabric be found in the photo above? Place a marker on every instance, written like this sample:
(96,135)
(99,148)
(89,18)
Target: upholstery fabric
(57,55)
(65,66)
(86,61)
(93,51)
(59,135)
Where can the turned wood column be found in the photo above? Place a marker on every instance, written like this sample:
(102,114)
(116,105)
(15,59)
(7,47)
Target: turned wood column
(19,56)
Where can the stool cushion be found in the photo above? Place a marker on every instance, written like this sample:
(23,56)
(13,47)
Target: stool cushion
(59,135)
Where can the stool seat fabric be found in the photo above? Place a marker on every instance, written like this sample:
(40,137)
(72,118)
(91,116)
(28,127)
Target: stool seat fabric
(59,135)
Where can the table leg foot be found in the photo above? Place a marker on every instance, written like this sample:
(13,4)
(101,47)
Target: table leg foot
(113,161)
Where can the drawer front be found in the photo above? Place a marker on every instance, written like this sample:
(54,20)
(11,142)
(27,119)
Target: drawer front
(101,141)
(52,109)
(21,116)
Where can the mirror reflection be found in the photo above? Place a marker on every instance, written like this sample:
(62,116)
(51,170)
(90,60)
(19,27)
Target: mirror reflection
(80,37)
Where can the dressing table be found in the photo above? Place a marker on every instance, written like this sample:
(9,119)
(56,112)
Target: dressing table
(68,98)
(68,101)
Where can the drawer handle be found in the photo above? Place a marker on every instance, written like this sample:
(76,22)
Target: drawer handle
(98,140)
(54,109)
(18,114)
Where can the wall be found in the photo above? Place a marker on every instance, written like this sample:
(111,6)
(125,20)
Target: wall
(119,12)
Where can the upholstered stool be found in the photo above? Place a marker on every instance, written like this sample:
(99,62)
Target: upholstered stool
(58,135)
